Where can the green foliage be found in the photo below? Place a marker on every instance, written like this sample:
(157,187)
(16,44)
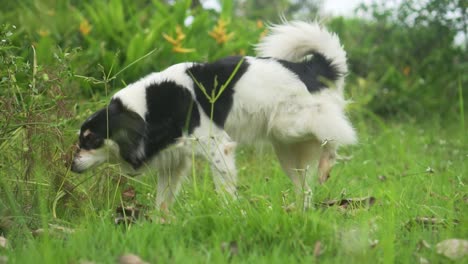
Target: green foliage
(60,60)
(407,55)
(273,10)
(263,226)
(34,117)
(115,33)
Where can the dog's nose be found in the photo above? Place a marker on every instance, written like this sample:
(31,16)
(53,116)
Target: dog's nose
(70,156)
(75,168)
(74,165)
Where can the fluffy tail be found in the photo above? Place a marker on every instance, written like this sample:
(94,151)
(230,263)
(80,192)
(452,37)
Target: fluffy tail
(295,40)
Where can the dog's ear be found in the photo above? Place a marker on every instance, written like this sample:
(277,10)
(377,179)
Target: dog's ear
(128,130)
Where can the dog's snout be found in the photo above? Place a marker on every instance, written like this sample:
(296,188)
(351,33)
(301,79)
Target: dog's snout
(72,161)
(75,168)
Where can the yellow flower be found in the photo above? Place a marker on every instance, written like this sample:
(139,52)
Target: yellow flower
(85,27)
(407,70)
(179,49)
(219,32)
(176,41)
(259,23)
(43,32)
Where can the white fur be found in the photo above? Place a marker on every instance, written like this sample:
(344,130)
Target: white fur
(134,95)
(280,106)
(87,159)
(293,40)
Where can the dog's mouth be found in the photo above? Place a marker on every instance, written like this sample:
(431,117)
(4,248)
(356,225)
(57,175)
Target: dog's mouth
(76,169)
(77,166)
(80,166)
(69,156)
(76,162)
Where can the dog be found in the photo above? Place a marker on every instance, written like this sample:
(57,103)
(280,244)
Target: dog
(290,95)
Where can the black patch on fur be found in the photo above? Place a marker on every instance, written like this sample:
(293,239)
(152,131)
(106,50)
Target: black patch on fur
(171,112)
(118,123)
(97,133)
(128,130)
(220,70)
(315,72)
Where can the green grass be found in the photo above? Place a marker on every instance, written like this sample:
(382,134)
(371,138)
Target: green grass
(413,168)
(257,225)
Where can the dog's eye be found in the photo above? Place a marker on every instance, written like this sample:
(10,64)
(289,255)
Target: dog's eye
(91,141)
(90,136)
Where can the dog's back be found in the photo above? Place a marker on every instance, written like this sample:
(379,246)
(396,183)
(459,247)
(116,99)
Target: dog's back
(292,91)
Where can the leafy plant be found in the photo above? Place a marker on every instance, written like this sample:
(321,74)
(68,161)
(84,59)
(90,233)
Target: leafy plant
(409,53)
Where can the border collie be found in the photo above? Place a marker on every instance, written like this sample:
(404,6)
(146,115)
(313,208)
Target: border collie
(291,95)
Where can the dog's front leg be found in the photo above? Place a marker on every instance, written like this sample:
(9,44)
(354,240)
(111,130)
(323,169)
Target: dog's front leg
(223,167)
(220,152)
(169,180)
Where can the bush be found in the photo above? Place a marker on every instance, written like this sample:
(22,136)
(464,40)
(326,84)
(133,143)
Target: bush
(114,34)
(409,63)
(34,117)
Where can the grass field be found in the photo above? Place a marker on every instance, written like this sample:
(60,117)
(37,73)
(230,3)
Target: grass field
(61,60)
(416,173)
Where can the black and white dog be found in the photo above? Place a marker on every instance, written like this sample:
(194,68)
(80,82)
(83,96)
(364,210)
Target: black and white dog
(291,95)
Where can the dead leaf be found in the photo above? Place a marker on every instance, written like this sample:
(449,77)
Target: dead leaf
(373,243)
(422,260)
(346,203)
(3,242)
(38,232)
(289,207)
(318,250)
(129,194)
(453,248)
(442,197)
(126,215)
(54,230)
(382,178)
(422,244)
(231,247)
(131,259)
(430,170)
(62,229)
(428,221)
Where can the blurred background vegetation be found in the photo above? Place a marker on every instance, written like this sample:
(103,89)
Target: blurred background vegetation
(403,59)
(60,59)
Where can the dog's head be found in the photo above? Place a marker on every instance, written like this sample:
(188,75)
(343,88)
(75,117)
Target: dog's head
(113,134)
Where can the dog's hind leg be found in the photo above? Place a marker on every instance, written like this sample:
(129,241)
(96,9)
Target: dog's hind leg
(327,160)
(298,160)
